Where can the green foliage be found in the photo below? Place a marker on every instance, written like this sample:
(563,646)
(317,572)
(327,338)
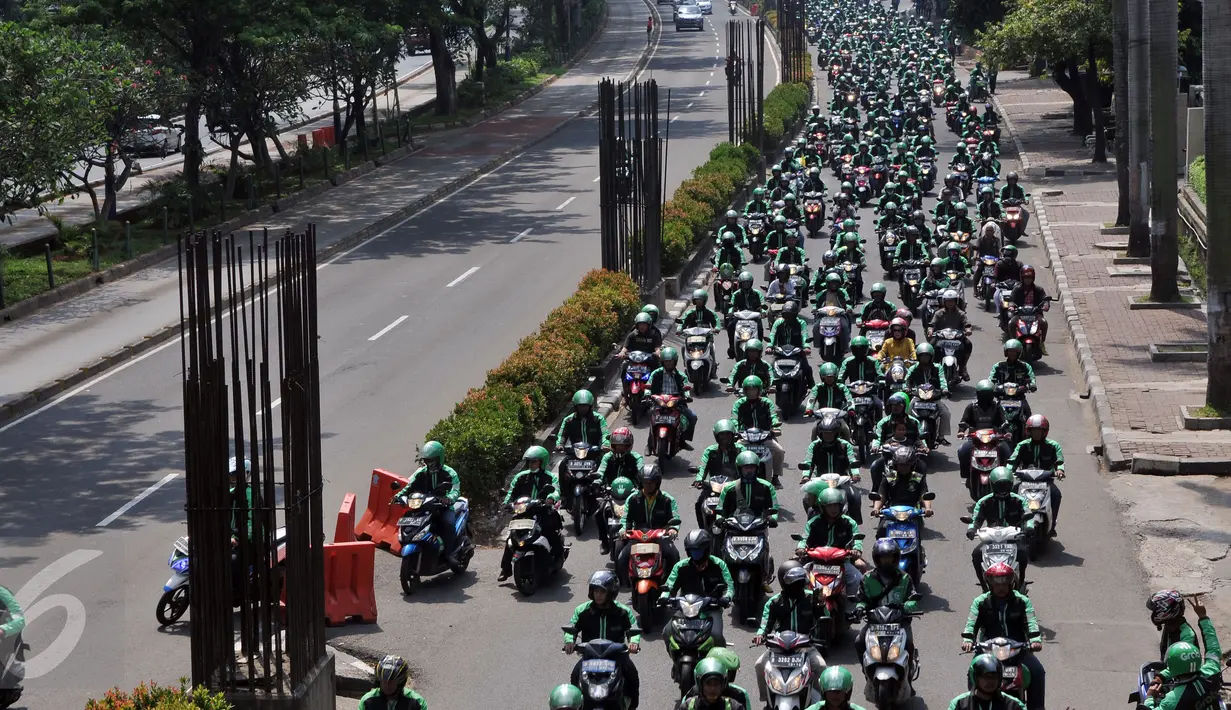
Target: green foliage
(784,105)
(1057,29)
(487,432)
(972,16)
(1196,177)
(156,697)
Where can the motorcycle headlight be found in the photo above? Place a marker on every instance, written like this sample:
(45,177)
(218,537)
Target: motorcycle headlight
(519,508)
(580,452)
(985,438)
(894,651)
(414,503)
(874,647)
(1002,653)
(902,515)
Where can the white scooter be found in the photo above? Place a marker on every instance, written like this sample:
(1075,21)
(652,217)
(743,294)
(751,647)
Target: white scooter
(890,669)
(1000,544)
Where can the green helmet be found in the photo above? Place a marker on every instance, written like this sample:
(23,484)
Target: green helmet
(539,453)
(832,496)
(788,197)
(836,678)
(860,342)
(1010,251)
(924,349)
(880,288)
(701,294)
(985,386)
(669,355)
(833,279)
(752,381)
(583,398)
(758,193)
(846,185)
(727,657)
(746,277)
(926,141)
(1013,344)
(1183,659)
(433,450)
(565,696)
(644,318)
(710,668)
(899,398)
(1001,480)
(829,369)
(937,261)
(732,214)
(652,310)
(724,426)
(891,207)
(849,225)
(754,344)
(622,488)
(747,458)
(780,219)
(815,488)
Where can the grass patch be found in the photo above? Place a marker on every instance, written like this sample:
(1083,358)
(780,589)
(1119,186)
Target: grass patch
(1196,177)
(1145,298)
(1193,261)
(1209,412)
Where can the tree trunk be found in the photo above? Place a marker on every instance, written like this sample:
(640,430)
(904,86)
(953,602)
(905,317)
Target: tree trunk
(1095,96)
(109,188)
(1120,71)
(1067,75)
(562,20)
(1139,136)
(445,71)
(1216,73)
(1164,85)
(194,152)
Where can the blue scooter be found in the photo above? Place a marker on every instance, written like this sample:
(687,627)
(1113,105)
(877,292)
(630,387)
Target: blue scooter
(423,553)
(904,525)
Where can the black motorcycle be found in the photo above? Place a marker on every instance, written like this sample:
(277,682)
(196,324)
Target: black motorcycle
(533,562)
(12,667)
(745,547)
(788,379)
(602,677)
(578,476)
(689,634)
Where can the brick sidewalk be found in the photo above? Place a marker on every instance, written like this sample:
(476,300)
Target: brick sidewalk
(1137,401)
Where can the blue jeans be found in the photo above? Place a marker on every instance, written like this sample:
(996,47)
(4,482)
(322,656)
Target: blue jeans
(445,526)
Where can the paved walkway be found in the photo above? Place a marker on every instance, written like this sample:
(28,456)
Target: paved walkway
(1137,400)
(56,342)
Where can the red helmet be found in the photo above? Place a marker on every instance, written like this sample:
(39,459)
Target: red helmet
(1027,271)
(999,570)
(1038,421)
(622,437)
(905,314)
(898,323)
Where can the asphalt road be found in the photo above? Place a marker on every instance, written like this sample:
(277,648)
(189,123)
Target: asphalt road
(93,495)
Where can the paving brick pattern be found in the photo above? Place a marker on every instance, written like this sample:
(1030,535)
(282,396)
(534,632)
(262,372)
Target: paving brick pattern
(1142,397)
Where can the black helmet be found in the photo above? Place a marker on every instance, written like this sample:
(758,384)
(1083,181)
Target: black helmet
(786,567)
(886,555)
(1011,177)
(985,664)
(605,580)
(651,472)
(792,579)
(697,544)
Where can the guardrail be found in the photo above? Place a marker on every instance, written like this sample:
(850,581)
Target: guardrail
(1192,217)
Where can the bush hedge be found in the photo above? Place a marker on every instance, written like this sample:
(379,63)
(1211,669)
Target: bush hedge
(488,431)
(1196,177)
(156,697)
(690,212)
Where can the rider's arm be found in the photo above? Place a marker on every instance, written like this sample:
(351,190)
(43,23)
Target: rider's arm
(601,473)
(703,466)
(604,429)
(674,523)
(513,487)
(1016,457)
(406,489)
(568,638)
(1030,374)
(909,605)
(672,578)
(1213,651)
(772,513)
(766,614)
(972,619)
(414,698)
(853,459)
(628,506)
(853,530)
(455,485)
(976,515)
(562,434)
(555,483)
(17,621)
(726,576)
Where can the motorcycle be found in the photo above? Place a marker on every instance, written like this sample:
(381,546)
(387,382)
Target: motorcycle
(12,667)
(866,416)
(924,406)
(948,342)
(715,482)
(1033,485)
(814,213)
(666,420)
(174,602)
(754,226)
(879,175)
(747,327)
(895,377)
(927,174)
(1025,325)
(636,378)
(646,571)
(578,481)
(745,547)
(689,635)
(888,665)
(984,458)
(875,331)
(533,562)
(999,544)
(910,276)
(929,303)
(827,578)
(699,356)
(863,185)
(724,286)
(1012,224)
(756,441)
(888,243)
(904,525)
(827,333)
(1012,398)
(985,286)
(601,679)
(853,275)
(962,170)
(788,677)
(850,507)
(788,379)
(938,92)
(731,7)
(611,513)
(422,550)
(1015,677)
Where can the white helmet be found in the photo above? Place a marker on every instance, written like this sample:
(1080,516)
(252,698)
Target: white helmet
(949,294)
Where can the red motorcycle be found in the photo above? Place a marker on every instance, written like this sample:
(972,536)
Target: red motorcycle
(1011,224)
(1025,324)
(826,576)
(646,571)
(984,458)
(875,331)
(665,422)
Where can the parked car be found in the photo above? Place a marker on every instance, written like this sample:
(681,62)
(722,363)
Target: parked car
(707,6)
(417,41)
(689,16)
(154,135)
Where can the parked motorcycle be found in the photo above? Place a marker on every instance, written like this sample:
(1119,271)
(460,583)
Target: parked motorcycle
(533,562)
(689,634)
(745,547)
(422,550)
(788,677)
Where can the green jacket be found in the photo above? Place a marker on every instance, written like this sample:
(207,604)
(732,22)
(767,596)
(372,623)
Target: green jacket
(841,533)
(760,497)
(430,482)
(932,374)
(1046,455)
(836,397)
(883,431)
(640,514)
(611,467)
(15,621)
(702,317)
(967,701)
(873,592)
(611,623)
(1020,372)
(1188,693)
(782,613)
(694,581)
(236,511)
(571,430)
(885,308)
(760,414)
(854,369)
(824,705)
(804,341)
(655,383)
(745,369)
(797,255)
(407,700)
(1013,618)
(1012,510)
(839,458)
(528,483)
(713,457)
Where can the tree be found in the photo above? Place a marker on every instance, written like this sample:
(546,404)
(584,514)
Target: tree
(1069,33)
(1164,202)
(46,111)
(972,16)
(1217,77)
(357,48)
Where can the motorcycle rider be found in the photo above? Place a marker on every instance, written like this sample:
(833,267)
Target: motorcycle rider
(1028,293)
(960,157)
(754,363)
(949,317)
(925,149)
(730,663)
(984,678)
(983,413)
(703,574)
(752,411)
(717,456)
(583,424)
(936,278)
(621,462)
(391,692)
(897,344)
(730,252)
(744,298)
(731,225)
(1006,612)
(910,248)
(829,393)
(530,482)
(782,285)
(877,307)
(790,329)
(890,219)
(886,585)
(667,379)
(1001,508)
(1191,684)
(651,309)
(698,315)
(1037,451)
(897,411)
(711,692)
(1014,369)
(954,261)
(946,206)
(1166,609)
(860,366)
(988,244)
(604,617)
(960,221)
(791,609)
(836,686)
(831,528)
(757,205)
(644,337)
(927,371)
(1014,191)
(12,622)
(753,494)
(814,182)
(989,207)
(650,508)
(426,479)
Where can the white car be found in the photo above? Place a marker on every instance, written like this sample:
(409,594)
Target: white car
(707,6)
(153,135)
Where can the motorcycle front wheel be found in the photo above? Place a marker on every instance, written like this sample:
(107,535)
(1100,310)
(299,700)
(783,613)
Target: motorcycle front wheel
(9,697)
(409,578)
(579,516)
(171,606)
(526,580)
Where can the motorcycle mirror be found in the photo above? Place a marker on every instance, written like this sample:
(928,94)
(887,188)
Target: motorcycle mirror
(1134,697)
(874,496)
(797,537)
(966,519)
(929,496)
(804,465)
(569,629)
(693,469)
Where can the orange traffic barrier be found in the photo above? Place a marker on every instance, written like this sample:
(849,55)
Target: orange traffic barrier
(380,521)
(349,582)
(327,135)
(344,531)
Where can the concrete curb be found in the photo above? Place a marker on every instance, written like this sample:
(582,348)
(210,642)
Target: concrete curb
(11,410)
(1110,449)
(1159,465)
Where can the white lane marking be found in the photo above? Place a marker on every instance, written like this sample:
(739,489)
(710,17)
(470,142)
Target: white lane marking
(388,328)
(707,82)
(459,279)
(140,497)
(673,120)
(272,406)
(701,95)
(55,653)
(566,203)
(600,177)
(688,106)
(518,238)
(711,73)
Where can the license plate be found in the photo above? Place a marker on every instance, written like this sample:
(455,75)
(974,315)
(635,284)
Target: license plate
(828,570)
(831,322)
(691,624)
(712,501)
(912,274)
(582,464)
(795,660)
(950,346)
(637,369)
(1011,404)
(664,419)
(859,401)
(883,629)
(1000,548)
(762,451)
(521,524)
(744,540)
(1010,672)
(412,520)
(644,548)
(925,406)
(902,534)
(598,666)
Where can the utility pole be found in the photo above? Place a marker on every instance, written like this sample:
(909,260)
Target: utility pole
(1164,202)
(1139,136)
(1216,70)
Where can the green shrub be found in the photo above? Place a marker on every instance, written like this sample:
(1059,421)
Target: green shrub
(156,697)
(485,436)
(677,243)
(1196,177)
